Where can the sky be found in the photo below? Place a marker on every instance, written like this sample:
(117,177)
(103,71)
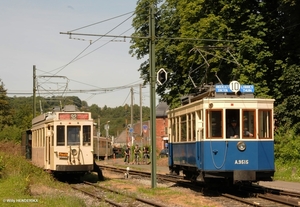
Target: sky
(31,36)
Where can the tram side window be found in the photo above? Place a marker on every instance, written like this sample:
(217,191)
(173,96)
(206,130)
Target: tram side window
(73,135)
(183,128)
(60,135)
(86,135)
(214,124)
(102,144)
(265,124)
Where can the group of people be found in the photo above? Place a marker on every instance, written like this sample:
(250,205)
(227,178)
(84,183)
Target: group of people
(137,153)
(233,131)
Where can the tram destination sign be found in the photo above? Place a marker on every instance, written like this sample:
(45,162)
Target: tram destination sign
(227,89)
(73,116)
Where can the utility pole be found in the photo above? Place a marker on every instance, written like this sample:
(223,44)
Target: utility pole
(106,143)
(131,117)
(98,137)
(152,95)
(34,91)
(141,116)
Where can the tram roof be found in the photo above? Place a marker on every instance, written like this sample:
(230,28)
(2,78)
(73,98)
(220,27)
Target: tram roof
(220,92)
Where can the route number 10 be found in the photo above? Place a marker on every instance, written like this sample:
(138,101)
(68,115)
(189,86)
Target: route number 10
(234,86)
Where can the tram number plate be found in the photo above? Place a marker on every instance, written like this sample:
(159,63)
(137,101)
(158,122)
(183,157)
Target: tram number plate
(63,155)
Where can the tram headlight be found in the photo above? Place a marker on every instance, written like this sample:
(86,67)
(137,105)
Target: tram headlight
(74,152)
(241,146)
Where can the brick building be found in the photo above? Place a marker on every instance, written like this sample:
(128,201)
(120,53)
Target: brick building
(141,132)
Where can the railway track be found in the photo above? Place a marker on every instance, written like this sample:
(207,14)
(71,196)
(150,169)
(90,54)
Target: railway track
(254,195)
(103,194)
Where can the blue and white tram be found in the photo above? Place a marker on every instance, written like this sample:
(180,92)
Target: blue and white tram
(199,144)
(62,141)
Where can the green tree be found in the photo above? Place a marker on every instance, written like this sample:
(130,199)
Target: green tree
(257,44)
(6,118)
(288,110)
(186,44)
(5,110)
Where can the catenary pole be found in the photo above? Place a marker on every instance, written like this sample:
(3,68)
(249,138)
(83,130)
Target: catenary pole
(152,96)
(34,91)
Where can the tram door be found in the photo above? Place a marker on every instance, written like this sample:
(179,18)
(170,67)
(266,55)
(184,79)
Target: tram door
(51,151)
(200,131)
(49,148)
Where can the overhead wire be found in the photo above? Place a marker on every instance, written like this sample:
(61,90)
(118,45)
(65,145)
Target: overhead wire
(77,56)
(101,21)
(126,99)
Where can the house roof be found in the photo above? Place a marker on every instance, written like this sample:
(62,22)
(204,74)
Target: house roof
(161,109)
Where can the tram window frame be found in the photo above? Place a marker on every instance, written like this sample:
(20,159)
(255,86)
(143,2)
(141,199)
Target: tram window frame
(177,130)
(265,124)
(38,138)
(43,137)
(73,135)
(199,127)
(60,135)
(33,138)
(172,129)
(245,123)
(86,135)
(217,122)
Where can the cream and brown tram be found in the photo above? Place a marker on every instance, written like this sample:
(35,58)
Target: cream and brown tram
(61,141)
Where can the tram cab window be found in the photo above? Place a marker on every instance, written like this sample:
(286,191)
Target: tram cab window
(233,124)
(214,127)
(73,135)
(60,135)
(86,135)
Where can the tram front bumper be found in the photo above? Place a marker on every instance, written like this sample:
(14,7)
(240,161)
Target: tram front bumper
(74,168)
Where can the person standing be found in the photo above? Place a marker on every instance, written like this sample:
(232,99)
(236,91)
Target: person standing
(137,152)
(145,155)
(127,154)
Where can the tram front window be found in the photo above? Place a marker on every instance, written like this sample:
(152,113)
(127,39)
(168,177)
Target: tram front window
(248,124)
(60,136)
(73,135)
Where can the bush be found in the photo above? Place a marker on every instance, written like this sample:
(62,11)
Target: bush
(11,133)
(287,145)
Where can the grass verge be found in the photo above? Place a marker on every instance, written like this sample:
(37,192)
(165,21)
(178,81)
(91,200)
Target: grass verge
(288,171)
(23,184)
